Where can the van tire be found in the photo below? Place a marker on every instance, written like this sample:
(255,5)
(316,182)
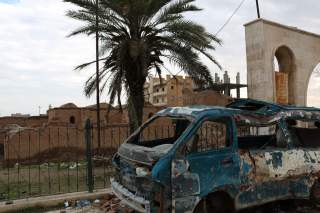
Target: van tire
(216,203)
(315,193)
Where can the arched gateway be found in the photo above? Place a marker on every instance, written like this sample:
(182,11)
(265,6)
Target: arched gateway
(297,53)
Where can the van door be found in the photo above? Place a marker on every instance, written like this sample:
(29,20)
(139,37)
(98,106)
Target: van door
(207,161)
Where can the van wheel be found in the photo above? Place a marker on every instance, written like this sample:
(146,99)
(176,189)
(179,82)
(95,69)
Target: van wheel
(216,203)
(315,193)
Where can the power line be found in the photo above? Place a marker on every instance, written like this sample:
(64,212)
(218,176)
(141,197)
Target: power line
(221,28)
(258,8)
(229,19)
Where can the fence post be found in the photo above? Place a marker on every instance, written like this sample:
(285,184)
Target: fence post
(90,180)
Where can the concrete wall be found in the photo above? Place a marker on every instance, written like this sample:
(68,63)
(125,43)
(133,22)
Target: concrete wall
(59,143)
(263,38)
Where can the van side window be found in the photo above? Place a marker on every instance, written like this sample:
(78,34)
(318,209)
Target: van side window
(257,137)
(304,133)
(211,135)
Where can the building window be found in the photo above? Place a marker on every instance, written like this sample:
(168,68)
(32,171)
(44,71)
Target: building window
(172,87)
(72,120)
(157,90)
(163,89)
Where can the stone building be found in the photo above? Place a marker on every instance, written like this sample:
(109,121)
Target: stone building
(167,91)
(181,91)
(71,115)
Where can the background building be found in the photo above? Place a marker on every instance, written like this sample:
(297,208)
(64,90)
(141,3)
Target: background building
(180,91)
(167,91)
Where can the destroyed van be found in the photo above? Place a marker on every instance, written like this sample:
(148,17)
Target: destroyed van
(213,159)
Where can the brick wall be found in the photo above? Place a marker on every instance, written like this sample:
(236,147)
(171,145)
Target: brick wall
(34,121)
(282,88)
(208,97)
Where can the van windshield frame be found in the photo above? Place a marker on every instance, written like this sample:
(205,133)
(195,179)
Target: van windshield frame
(151,135)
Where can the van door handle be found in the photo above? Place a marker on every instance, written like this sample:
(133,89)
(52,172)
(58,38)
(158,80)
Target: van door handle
(227,161)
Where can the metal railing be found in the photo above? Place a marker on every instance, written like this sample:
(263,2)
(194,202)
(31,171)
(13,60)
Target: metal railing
(56,160)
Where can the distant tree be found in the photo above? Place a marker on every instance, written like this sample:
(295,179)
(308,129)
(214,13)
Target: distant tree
(136,37)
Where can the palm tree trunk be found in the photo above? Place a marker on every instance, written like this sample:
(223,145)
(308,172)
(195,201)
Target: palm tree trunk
(136,105)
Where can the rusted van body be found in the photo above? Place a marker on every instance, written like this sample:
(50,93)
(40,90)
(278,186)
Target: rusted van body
(213,159)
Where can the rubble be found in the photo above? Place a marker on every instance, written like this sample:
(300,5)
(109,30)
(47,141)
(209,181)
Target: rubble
(107,204)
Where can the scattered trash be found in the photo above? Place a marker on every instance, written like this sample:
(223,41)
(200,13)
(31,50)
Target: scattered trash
(9,202)
(83,203)
(66,204)
(73,166)
(109,203)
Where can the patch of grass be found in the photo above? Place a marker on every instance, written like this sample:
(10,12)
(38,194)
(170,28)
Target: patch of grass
(49,179)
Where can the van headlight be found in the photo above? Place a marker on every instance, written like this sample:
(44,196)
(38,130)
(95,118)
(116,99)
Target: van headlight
(142,172)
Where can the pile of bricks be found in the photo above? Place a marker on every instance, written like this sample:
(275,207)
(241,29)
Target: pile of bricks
(111,204)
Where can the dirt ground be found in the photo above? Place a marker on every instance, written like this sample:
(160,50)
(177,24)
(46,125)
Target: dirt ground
(96,210)
(112,205)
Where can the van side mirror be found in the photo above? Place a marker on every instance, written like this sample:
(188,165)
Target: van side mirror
(180,167)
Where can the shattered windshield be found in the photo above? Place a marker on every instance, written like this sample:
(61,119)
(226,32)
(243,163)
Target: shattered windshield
(161,131)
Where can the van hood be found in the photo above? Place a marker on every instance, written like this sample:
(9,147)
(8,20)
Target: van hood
(144,155)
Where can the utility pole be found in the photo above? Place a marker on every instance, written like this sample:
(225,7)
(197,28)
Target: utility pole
(258,8)
(97,75)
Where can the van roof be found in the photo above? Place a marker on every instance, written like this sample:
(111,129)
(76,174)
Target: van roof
(246,107)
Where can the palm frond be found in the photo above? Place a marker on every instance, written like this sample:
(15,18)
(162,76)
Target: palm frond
(174,11)
(136,36)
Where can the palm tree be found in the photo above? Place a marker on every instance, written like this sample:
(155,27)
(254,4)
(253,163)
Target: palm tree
(136,37)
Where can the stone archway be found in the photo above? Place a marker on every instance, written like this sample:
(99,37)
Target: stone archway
(297,52)
(313,98)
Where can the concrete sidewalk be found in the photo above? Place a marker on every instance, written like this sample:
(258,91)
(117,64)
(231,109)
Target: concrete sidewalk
(50,201)
(88,209)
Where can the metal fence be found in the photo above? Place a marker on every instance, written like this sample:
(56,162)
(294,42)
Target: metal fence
(55,160)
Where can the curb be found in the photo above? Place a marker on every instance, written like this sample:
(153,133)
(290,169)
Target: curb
(50,201)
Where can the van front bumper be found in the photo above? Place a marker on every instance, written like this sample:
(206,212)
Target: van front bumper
(128,198)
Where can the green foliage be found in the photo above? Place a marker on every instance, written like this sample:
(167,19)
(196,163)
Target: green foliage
(136,36)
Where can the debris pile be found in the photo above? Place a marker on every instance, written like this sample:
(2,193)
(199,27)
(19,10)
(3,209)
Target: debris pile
(111,204)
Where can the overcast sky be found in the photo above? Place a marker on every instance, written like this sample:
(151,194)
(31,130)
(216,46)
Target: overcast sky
(37,59)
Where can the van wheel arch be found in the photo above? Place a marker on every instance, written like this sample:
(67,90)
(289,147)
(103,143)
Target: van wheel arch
(216,202)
